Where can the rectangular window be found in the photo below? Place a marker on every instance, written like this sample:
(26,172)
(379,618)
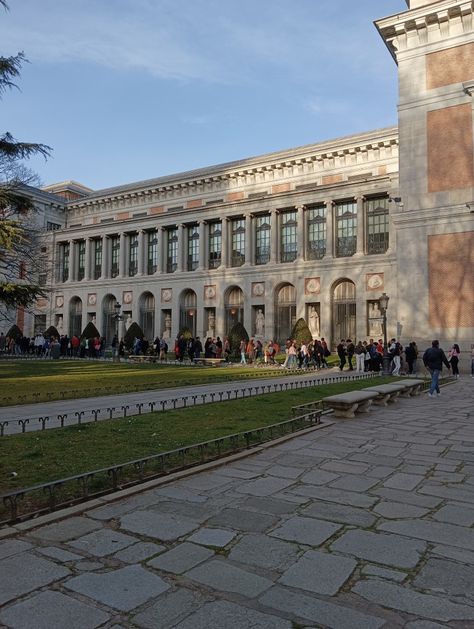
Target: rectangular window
(288,243)
(114,255)
(262,239)
(42,279)
(215,245)
(97,258)
(50,227)
(152,253)
(193,248)
(316,230)
(238,241)
(376,211)
(171,250)
(132,254)
(64,262)
(346,228)
(81,266)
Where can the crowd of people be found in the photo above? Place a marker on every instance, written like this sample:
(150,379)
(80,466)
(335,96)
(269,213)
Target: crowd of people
(362,356)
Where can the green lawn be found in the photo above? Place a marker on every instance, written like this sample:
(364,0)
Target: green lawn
(57,453)
(23,382)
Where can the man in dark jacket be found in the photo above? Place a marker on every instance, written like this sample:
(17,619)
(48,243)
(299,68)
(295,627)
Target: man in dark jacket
(433,359)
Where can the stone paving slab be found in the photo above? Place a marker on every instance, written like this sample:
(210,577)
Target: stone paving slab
(319,611)
(391,550)
(53,609)
(24,573)
(181,558)
(226,615)
(319,572)
(122,589)
(308,553)
(225,577)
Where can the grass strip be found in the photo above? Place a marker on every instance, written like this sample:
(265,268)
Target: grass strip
(52,454)
(24,382)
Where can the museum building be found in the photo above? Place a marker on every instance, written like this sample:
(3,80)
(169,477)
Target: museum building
(321,230)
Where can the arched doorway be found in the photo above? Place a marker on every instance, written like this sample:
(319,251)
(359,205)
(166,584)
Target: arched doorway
(75,316)
(109,325)
(344,311)
(285,312)
(187,311)
(234,308)
(147,315)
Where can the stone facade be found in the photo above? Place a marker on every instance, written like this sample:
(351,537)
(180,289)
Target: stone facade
(325,227)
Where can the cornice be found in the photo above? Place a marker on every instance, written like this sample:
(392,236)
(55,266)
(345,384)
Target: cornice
(424,25)
(274,167)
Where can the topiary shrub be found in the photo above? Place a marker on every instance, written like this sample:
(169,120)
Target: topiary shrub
(50,332)
(15,332)
(133,332)
(301,333)
(90,332)
(186,332)
(236,335)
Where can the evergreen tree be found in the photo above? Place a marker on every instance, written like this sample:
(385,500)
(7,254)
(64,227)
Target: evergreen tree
(90,332)
(50,332)
(301,333)
(133,332)
(236,335)
(17,237)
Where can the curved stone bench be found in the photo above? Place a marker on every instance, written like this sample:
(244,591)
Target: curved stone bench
(386,392)
(414,386)
(347,404)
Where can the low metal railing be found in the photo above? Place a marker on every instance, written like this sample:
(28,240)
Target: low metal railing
(62,419)
(27,503)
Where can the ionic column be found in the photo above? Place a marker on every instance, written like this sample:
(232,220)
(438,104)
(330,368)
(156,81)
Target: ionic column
(181,248)
(122,255)
(202,246)
(329,228)
(72,261)
(360,227)
(159,237)
(224,242)
(87,262)
(274,237)
(249,257)
(300,232)
(105,269)
(391,231)
(141,252)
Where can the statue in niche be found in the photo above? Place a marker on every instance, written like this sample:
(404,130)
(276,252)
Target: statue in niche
(167,331)
(94,320)
(128,321)
(60,325)
(313,322)
(375,321)
(259,323)
(211,322)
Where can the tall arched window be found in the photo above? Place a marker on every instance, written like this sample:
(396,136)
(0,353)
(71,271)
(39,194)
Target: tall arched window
(75,317)
(188,310)
(147,315)
(285,312)
(344,311)
(234,308)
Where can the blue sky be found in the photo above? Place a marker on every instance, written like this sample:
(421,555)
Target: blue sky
(124,90)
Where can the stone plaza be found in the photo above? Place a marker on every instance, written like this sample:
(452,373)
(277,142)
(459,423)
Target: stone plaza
(360,523)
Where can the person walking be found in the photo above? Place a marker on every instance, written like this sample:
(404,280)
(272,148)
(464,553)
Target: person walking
(350,349)
(360,356)
(433,359)
(453,357)
(243,347)
(341,352)
(411,354)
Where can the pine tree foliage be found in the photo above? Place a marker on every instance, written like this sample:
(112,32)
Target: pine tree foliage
(236,335)
(90,332)
(133,332)
(18,257)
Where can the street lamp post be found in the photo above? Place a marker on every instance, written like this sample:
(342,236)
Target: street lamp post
(117,317)
(383,305)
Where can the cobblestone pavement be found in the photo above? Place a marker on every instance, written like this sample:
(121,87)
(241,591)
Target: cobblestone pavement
(366,523)
(111,406)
